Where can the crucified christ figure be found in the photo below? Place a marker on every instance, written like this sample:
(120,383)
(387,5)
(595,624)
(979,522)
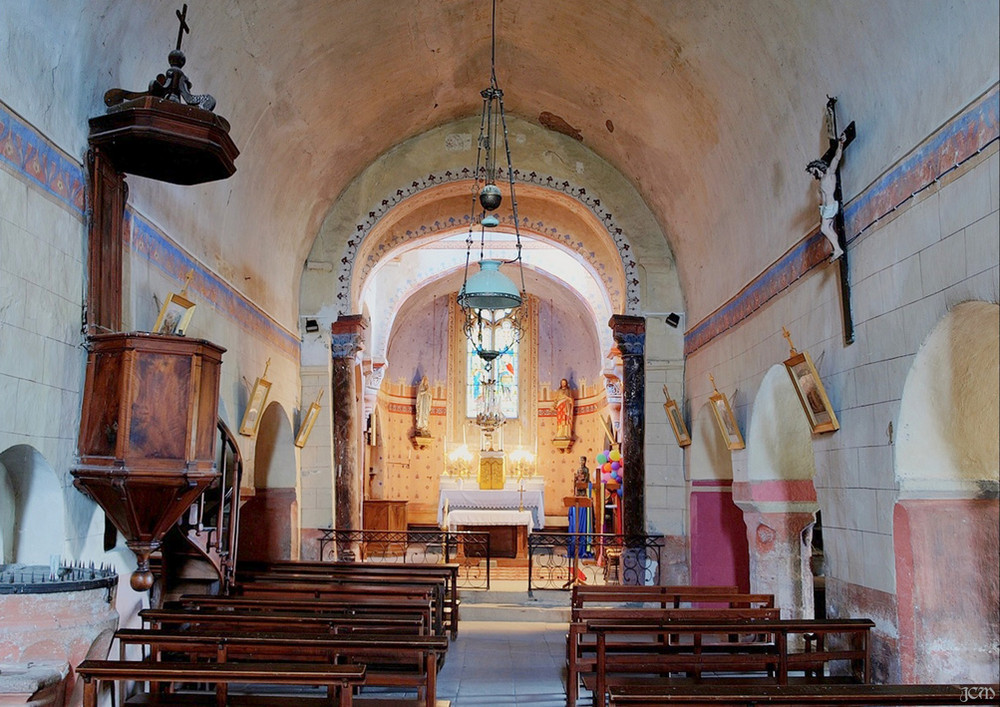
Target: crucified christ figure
(826,173)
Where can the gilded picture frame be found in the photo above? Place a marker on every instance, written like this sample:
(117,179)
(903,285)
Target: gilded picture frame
(812,395)
(307,424)
(726,420)
(255,404)
(676,420)
(175,315)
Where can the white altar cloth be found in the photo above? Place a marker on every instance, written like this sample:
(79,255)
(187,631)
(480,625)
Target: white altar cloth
(486,517)
(494,500)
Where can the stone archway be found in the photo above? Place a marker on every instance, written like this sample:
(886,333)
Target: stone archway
(717,531)
(33,524)
(269,522)
(945,522)
(778,497)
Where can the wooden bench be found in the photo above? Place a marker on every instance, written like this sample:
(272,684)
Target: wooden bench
(294,587)
(639,648)
(305,621)
(581,653)
(667,597)
(379,570)
(391,661)
(366,605)
(798,694)
(442,582)
(339,680)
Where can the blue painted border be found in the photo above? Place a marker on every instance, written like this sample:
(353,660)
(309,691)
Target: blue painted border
(27,154)
(155,247)
(961,138)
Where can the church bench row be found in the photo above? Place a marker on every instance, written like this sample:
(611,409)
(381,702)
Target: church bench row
(339,680)
(390,660)
(666,597)
(307,621)
(368,571)
(581,644)
(321,587)
(845,695)
(700,654)
(627,598)
(360,606)
(302,589)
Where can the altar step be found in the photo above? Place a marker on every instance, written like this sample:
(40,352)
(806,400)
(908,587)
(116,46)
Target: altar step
(549,606)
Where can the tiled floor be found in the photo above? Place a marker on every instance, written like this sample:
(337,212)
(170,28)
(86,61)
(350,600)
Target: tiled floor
(502,663)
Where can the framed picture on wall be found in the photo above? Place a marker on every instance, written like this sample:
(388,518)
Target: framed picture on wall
(308,421)
(811,393)
(724,416)
(255,404)
(175,315)
(676,420)
(809,387)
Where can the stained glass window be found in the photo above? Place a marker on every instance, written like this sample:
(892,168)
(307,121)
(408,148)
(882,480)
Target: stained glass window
(504,370)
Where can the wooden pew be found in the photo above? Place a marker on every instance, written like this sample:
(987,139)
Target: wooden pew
(581,653)
(771,661)
(666,597)
(391,660)
(751,695)
(298,588)
(366,605)
(339,680)
(370,570)
(622,599)
(307,622)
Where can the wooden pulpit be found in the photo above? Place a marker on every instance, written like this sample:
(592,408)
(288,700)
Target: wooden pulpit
(148,433)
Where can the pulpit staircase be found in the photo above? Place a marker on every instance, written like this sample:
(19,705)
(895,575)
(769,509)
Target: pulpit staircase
(198,554)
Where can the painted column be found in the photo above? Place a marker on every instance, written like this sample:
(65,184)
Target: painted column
(630,337)
(346,342)
(779,517)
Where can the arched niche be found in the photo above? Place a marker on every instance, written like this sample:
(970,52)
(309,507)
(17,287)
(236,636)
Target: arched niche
(945,523)
(948,420)
(718,535)
(269,521)
(778,497)
(34,523)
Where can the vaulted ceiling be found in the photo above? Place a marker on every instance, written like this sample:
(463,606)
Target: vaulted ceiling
(708,110)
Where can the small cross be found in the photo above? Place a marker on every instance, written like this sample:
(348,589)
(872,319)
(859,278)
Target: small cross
(182,16)
(789,338)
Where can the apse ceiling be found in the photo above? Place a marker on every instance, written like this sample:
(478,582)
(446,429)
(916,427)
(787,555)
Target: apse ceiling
(707,110)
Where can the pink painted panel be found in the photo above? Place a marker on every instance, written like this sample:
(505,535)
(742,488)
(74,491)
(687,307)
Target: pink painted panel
(719,551)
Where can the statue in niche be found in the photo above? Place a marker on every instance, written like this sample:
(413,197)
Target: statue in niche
(581,480)
(423,408)
(563,405)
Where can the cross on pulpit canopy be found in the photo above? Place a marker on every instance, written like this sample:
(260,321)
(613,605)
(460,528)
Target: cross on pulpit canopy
(182,16)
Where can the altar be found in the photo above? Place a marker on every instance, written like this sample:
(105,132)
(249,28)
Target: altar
(506,499)
(509,515)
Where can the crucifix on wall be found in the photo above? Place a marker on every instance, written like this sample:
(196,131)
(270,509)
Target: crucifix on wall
(826,171)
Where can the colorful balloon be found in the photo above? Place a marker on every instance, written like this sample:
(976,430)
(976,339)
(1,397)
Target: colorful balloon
(602,459)
(606,468)
(614,455)
(616,465)
(605,478)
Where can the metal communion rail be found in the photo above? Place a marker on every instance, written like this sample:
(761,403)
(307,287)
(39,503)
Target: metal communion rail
(561,560)
(470,549)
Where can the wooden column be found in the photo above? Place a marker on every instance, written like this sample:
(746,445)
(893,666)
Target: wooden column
(346,342)
(107,195)
(630,337)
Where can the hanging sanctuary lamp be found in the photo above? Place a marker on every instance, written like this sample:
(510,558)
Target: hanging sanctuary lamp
(489,299)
